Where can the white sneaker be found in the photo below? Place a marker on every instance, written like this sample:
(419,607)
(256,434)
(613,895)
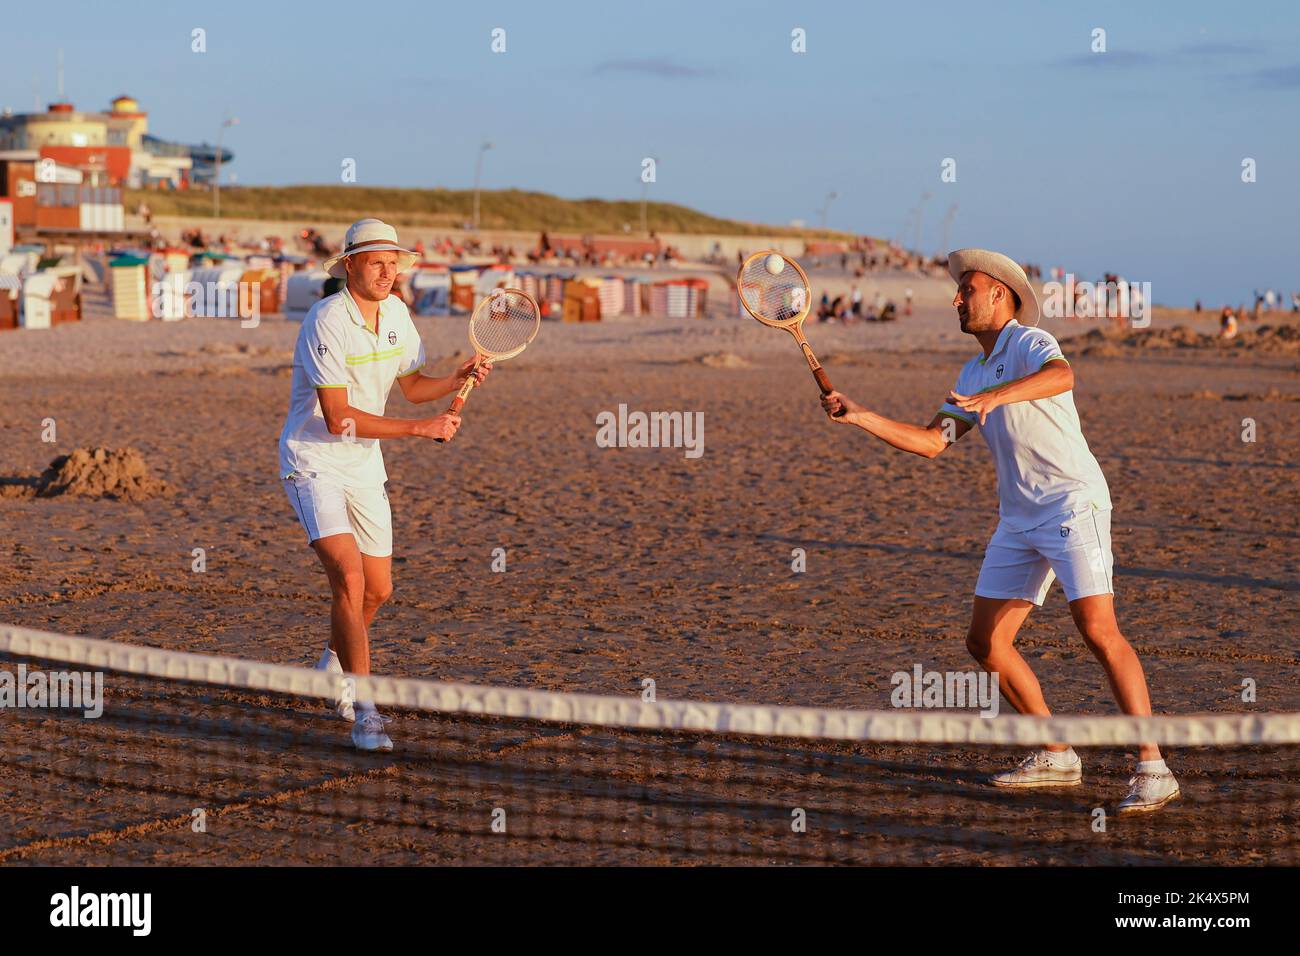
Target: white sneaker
(330,664)
(1149,791)
(1039,770)
(368,732)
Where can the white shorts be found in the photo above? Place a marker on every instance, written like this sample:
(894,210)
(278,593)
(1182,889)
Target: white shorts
(1074,547)
(325,507)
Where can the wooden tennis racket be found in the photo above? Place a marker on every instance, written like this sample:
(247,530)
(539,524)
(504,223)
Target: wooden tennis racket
(502,325)
(775,290)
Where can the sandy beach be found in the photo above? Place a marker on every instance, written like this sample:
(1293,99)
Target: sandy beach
(633,563)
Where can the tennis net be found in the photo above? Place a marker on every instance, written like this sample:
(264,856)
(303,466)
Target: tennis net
(198,759)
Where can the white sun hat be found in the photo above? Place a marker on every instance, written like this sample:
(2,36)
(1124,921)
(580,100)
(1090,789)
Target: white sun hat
(1003,269)
(369,235)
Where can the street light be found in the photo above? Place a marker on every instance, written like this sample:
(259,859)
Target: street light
(920,210)
(478,177)
(947,229)
(826,207)
(216,183)
(645,190)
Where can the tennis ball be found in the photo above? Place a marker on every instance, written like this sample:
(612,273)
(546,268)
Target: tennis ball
(775,264)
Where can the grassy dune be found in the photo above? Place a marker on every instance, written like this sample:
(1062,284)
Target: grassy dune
(447,208)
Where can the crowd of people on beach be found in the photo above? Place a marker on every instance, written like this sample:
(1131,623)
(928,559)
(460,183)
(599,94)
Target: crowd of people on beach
(859,258)
(854,307)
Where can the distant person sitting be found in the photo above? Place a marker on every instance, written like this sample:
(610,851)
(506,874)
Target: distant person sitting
(1227,324)
(889,313)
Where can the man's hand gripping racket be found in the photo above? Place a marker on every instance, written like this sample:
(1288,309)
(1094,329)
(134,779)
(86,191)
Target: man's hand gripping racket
(502,325)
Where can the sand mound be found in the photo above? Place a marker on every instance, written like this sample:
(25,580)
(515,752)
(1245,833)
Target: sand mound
(722,360)
(1111,342)
(91,473)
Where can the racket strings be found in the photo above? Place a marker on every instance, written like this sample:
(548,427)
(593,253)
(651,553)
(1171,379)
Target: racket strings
(779,299)
(505,323)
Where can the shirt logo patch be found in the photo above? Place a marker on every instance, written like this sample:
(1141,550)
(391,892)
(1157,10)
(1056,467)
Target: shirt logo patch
(998,373)
(392,338)
(321,350)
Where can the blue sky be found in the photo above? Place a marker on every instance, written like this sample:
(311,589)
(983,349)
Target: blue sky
(1128,160)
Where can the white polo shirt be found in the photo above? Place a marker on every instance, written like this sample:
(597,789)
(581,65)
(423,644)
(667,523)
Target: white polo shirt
(336,349)
(1045,467)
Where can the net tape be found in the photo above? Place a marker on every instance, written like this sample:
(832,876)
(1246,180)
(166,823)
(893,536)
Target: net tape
(634,713)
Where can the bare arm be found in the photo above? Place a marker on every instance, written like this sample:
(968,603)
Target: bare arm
(1053,378)
(927,441)
(341,417)
(419,388)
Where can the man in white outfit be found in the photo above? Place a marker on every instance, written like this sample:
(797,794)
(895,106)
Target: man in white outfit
(351,348)
(1054,509)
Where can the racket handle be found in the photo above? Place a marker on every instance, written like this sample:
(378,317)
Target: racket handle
(824,383)
(458,402)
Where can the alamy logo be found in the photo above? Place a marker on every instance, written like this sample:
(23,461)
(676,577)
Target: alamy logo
(174,298)
(945,690)
(998,373)
(653,430)
(321,350)
(103,909)
(1115,299)
(1065,532)
(392,338)
(63,690)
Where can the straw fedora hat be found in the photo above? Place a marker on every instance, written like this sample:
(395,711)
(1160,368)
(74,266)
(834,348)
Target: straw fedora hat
(369,235)
(1004,270)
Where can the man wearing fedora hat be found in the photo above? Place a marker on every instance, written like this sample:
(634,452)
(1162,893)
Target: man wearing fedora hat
(352,347)
(1054,509)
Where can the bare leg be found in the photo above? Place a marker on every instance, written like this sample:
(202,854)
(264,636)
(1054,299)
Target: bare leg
(379,585)
(991,641)
(1095,618)
(342,561)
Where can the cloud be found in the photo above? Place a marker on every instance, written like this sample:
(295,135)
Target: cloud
(1278,78)
(653,66)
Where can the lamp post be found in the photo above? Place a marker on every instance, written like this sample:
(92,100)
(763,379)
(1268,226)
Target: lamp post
(920,209)
(216,183)
(947,228)
(645,194)
(644,187)
(478,177)
(826,207)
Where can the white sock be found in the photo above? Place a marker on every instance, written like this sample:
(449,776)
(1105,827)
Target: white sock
(1153,766)
(327,656)
(1066,758)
